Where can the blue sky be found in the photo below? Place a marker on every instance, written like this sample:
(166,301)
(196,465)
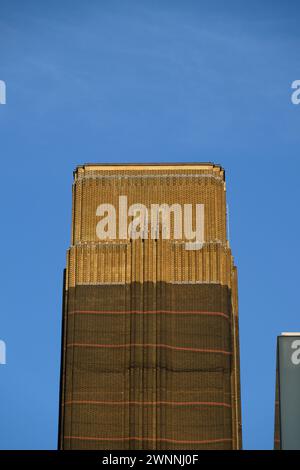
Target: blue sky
(159,80)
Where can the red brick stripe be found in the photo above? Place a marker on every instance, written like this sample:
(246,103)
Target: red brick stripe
(153,439)
(146,403)
(148,345)
(148,312)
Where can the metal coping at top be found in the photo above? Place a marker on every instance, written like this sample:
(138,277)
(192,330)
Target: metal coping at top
(151,166)
(289,334)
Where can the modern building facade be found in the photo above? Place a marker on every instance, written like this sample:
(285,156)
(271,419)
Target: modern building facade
(150,354)
(287,401)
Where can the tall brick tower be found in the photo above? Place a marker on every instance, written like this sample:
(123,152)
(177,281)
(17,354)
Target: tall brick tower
(150,356)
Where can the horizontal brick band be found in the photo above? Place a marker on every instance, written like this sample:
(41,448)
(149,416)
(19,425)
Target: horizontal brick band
(148,312)
(148,403)
(147,345)
(152,439)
